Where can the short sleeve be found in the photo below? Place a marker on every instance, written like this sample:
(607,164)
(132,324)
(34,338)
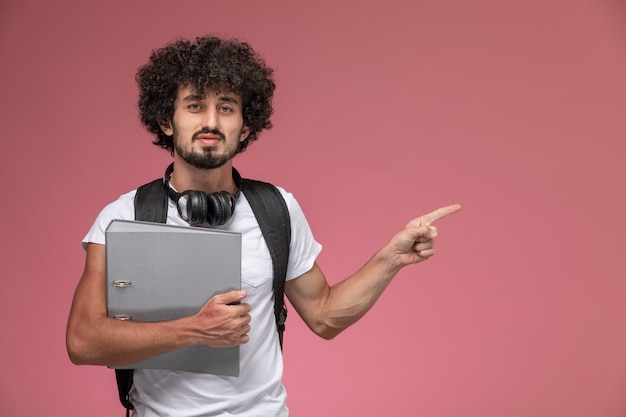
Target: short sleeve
(303,249)
(120,209)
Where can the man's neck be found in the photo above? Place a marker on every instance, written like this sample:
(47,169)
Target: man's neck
(187,177)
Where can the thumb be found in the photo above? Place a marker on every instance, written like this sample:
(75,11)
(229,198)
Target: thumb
(232,297)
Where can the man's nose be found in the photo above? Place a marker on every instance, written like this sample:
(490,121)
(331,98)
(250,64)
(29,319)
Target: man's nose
(210,120)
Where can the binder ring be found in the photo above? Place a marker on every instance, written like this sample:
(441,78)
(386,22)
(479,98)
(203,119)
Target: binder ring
(121,283)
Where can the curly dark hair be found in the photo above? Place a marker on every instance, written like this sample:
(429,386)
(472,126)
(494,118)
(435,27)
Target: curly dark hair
(209,63)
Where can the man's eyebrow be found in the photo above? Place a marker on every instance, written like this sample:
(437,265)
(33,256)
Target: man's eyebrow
(200,97)
(229,99)
(194,97)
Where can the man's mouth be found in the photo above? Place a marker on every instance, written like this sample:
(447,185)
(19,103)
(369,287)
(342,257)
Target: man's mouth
(208,138)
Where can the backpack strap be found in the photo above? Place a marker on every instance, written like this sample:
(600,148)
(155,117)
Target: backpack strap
(151,202)
(272,214)
(124,378)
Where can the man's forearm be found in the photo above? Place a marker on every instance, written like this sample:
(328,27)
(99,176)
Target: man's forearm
(352,298)
(111,342)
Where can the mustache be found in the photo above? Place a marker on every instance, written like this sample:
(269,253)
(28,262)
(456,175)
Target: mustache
(208,131)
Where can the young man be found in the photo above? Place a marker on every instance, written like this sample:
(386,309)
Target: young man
(206,101)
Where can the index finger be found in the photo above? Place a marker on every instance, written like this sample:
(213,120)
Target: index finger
(440,213)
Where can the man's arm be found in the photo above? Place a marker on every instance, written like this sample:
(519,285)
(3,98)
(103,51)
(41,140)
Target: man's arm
(329,310)
(93,338)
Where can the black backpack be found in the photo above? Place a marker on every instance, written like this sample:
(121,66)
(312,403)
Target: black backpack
(271,213)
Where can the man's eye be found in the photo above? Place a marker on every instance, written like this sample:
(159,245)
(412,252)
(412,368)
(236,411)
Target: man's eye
(194,107)
(224,109)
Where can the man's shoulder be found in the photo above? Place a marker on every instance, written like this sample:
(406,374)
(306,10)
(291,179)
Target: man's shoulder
(122,207)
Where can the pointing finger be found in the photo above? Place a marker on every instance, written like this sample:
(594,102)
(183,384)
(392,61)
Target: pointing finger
(439,214)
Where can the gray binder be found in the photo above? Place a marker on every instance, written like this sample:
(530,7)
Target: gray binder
(158,272)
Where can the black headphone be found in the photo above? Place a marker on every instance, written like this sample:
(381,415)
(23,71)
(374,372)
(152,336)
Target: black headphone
(214,209)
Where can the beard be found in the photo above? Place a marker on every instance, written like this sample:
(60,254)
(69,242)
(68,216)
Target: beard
(207,158)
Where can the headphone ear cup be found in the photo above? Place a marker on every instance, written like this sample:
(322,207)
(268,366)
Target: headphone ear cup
(221,207)
(196,207)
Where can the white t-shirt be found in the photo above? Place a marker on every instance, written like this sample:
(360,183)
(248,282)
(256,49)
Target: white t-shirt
(258,391)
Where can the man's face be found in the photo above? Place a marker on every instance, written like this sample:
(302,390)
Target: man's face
(206,129)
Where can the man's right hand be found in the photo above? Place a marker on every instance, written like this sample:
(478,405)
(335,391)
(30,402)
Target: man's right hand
(223,321)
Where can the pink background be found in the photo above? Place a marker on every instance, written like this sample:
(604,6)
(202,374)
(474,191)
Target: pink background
(385,110)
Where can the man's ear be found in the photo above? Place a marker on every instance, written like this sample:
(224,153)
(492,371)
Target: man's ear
(245,131)
(166,127)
